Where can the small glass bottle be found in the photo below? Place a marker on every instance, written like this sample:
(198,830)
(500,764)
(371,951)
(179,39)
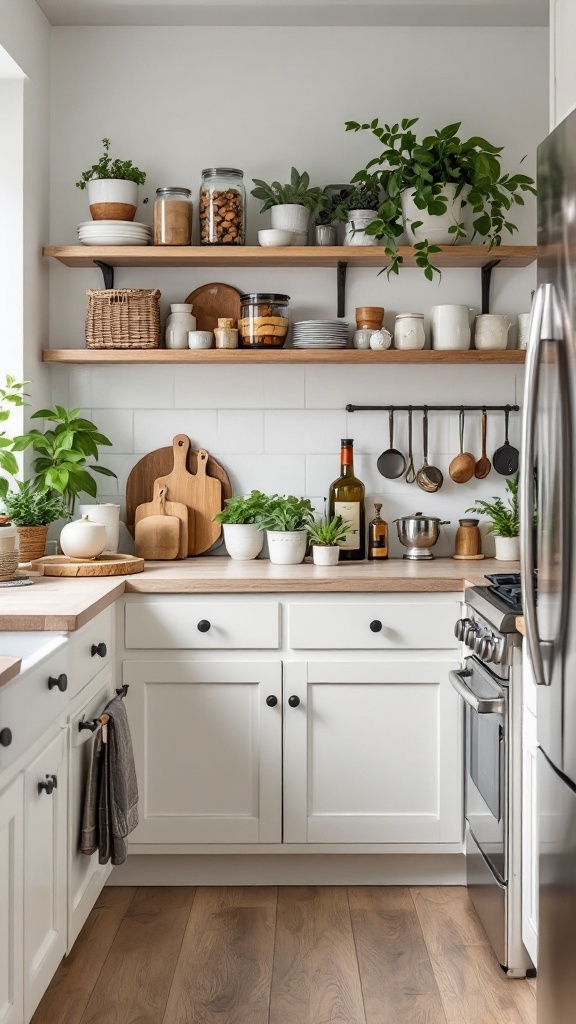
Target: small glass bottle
(347,500)
(377,537)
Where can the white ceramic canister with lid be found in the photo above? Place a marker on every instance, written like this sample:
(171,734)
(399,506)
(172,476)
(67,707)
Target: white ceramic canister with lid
(451,327)
(409,331)
(178,324)
(492,331)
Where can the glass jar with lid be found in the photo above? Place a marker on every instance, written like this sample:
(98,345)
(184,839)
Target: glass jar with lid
(173,216)
(222,206)
(264,320)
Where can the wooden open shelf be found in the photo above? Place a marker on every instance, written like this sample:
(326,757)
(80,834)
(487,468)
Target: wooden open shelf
(279,355)
(463,256)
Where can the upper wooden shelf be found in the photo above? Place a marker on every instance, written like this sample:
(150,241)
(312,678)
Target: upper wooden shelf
(279,355)
(462,256)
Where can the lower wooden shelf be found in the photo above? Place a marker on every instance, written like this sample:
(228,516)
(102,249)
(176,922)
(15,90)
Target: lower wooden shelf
(280,355)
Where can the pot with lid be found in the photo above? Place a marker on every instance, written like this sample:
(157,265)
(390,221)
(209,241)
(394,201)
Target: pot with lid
(418,533)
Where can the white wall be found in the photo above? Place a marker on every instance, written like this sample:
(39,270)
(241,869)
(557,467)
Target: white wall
(178,100)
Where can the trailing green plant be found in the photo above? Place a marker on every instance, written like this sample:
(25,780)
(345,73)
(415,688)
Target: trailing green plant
(504,517)
(29,507)
(12,396)
(287,513)
(109,168)
(424,167)
(326,532)
(244,509)
(63,451)
(297,191)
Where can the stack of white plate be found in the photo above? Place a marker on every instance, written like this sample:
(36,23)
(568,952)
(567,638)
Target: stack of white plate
(114,232)
(320,334)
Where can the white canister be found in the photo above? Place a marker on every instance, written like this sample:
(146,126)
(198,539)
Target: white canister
(178,324)
(358,221)
(381,340)
(409,331)
(109,516)
(83,539)
(492,331)
(523,327)
(361,339)
(451,327)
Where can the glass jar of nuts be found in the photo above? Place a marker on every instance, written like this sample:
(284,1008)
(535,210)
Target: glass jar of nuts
(222,207)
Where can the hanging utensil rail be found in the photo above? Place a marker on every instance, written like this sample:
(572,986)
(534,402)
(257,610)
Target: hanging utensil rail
(432,408)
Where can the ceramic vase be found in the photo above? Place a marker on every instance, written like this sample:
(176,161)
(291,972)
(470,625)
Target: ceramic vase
(83,539)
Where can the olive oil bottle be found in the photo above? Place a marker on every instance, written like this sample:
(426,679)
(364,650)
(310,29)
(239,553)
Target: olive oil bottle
(347,497)
(377,537)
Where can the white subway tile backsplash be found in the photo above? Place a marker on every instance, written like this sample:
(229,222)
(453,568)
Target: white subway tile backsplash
(118,426)
(284,386)
(303,431)
(222,387)
(241,431)
(155,428)
(133,387)
(266,473)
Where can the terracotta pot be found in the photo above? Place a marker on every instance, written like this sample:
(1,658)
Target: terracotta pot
(32,542)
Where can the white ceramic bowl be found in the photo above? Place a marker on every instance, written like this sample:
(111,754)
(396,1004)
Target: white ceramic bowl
(276,236)
(200,339)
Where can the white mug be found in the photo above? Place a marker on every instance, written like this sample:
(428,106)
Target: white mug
(523,325)
(492,331)
(451,326)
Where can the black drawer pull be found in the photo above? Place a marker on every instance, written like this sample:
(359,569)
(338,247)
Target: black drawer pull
(376,625)
(61,682)
(271,701)
(204,625)
(100,649)
(294,701)
(5,737)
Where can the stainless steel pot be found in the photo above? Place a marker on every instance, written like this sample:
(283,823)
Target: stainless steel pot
(418,533)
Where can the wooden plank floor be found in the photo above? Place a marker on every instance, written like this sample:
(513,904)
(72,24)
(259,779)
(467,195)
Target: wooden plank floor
(289,955)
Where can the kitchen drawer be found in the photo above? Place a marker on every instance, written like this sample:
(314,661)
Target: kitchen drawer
(196,624)
(91,649)
(28,706)
(391,624)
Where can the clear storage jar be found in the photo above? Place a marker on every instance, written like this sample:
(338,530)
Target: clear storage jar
(173,216)
(264,320)
(222,206)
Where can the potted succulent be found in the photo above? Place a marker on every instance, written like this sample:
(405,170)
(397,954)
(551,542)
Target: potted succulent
(427,181)
(240,519)
(326,536)
(112,187)
(286,521)
(32,511)
(291,204)
(505,522)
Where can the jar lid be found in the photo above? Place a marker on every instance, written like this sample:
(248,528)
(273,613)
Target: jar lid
(167,189)
(419,516)
(468,522)
(213,172)
(415,316)
(264,297)
(181,307)
(226,323)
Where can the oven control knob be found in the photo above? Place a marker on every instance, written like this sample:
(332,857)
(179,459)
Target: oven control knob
(470,632)
(499,650)
(459,629)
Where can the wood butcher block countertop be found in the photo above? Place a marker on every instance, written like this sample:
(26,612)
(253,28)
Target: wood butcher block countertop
(67,604)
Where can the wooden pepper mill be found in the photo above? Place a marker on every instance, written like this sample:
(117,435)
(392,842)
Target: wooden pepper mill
(468,539)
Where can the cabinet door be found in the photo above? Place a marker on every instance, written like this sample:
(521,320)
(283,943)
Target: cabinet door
(45,852)
(562,65)
(373,753)
(11,903)
(207,749)
(529,835)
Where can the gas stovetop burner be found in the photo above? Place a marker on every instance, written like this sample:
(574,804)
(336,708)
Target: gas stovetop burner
(506,587)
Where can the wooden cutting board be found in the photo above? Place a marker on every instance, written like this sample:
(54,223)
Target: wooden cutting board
(171,508)
(201,493)
(157,535)
(212,301)
(104,565)
(159,463)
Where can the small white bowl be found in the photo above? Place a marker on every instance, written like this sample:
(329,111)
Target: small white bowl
(276,236)
(200,339)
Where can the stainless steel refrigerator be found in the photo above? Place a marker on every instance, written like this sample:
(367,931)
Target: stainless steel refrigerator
(548,541)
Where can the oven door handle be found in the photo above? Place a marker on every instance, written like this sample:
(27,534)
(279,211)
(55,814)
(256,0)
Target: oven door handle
(481,705)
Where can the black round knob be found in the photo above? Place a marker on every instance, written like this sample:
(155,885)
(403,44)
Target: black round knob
(203,625)
(100,649)
(5,737)
(376,625)
(294,701)
(271,701)
(61,682)
(49,785)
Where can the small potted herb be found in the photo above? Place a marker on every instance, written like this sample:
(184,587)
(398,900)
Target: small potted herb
(112,187)
(359,209)
(286,521)
(329,213)
(32,511)
(291,204)
(505,522)
(240,519)
(326,536)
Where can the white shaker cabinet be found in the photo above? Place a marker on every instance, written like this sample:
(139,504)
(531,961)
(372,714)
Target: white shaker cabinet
(11,903)
(562,63)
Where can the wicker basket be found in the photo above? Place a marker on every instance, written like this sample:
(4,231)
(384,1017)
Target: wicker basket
(8,565)
(32,542)
(123,318)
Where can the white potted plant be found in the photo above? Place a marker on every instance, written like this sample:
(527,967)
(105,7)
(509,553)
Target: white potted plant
(505,522)
(112,187)
(240,520)
(286,522)
(291,204)
(326,536)
(358,210)
(31,511)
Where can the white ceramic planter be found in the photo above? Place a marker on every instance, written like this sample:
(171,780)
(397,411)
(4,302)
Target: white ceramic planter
(327,554)
(507,549)
(112,198)
(243,541)
(292,217)
(287,547)
(357,221)
(83,539)
(435,229)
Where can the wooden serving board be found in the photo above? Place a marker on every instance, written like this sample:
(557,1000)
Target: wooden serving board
(212,301)
(159,507)
(104,565)
(200,493)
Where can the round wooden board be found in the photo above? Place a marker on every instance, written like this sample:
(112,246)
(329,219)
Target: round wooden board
(105,565)
(212,301)
(469,558)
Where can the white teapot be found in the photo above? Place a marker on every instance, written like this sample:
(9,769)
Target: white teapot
(83,539)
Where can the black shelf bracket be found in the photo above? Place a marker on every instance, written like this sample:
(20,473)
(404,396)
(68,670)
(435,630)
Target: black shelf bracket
(107,273)
(486,274)
(341,287)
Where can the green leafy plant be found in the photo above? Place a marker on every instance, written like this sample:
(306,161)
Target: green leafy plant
(244,510)
(505,517)
(424,167)
(29,507)
(109,168)
(287,513)
(326,532)
(63,452)
(12,396)
(298,191)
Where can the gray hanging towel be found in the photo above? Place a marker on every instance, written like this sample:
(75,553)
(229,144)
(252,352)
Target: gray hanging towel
(90,831)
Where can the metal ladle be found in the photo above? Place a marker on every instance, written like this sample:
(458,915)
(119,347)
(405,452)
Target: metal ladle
(411,471)
(391,463)
(429,478)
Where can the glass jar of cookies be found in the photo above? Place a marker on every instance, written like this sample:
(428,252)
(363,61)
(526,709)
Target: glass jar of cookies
(222,206)
(264,320)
